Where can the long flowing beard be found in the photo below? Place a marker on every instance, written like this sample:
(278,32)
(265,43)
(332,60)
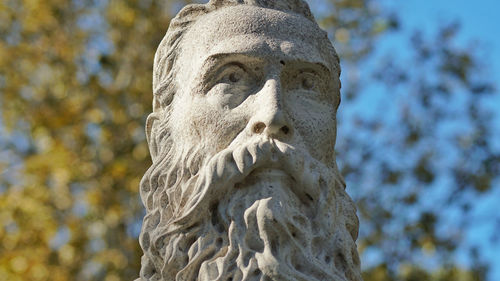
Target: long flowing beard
(226,221)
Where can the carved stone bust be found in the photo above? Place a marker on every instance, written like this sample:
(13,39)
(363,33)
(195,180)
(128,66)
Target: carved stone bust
(244,183)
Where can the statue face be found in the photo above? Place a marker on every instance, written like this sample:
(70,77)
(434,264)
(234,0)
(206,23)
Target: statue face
(244,184)
(250,71)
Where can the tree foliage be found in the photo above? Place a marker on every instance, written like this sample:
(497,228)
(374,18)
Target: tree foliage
(75,88)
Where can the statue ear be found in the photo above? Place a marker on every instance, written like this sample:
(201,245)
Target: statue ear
(151,132)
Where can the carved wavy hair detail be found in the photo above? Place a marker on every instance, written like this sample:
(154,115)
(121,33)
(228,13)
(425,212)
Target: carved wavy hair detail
(203,219)
(203,226)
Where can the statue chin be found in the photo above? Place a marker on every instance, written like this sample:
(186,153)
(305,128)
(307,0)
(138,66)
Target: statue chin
(271,234)
(276,185)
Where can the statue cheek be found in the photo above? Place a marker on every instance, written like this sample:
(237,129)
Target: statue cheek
(325,140)
(317,128)
(215,127)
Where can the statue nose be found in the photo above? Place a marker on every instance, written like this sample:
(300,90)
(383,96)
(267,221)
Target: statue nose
(270,118)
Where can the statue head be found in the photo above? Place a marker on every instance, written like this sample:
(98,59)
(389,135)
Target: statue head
(244,183)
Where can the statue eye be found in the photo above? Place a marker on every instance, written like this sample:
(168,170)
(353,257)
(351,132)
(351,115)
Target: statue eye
(232,84)
(233,74)
(234,77)
(308,83)
(308,80)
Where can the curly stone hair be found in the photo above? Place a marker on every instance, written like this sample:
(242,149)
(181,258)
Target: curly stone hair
(171,167)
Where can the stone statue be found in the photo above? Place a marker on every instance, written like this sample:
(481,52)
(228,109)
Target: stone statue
(244,183)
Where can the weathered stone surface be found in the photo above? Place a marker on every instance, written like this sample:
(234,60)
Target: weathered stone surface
(244,184)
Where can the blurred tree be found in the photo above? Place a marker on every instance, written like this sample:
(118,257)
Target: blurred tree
(75,85)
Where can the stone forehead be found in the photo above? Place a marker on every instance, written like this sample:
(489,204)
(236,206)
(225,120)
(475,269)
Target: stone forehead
(248,20)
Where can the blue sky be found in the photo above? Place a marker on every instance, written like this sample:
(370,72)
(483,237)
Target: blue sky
(479,20)
(480,24)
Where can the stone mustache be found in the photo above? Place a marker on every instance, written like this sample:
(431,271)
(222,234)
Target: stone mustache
(244,183)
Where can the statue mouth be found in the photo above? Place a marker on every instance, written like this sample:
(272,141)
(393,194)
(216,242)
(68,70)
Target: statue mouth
(267,174)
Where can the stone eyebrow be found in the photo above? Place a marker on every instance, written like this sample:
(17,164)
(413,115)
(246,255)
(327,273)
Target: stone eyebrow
(214,60)
(211,64)
(313,65)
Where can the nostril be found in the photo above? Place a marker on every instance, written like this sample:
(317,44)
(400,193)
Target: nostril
(285,130)
(259,128)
